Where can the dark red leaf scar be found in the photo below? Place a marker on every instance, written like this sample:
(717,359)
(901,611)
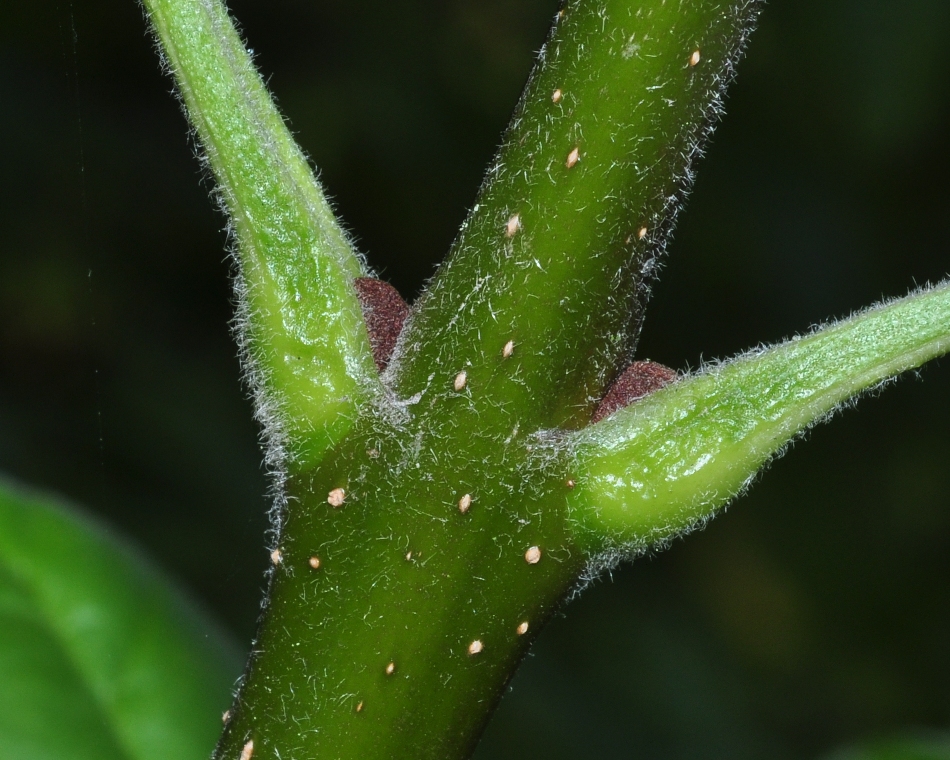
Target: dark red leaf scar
(636,381)
(384,312)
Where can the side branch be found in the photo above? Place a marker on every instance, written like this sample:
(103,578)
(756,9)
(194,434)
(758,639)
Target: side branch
(666,463)
(300,318)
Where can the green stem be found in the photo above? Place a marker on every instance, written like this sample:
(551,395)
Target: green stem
(435,535)
(557,253)
(299,317)
(668,462)
(427,536)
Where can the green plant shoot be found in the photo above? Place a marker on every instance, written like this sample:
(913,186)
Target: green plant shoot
(431,518)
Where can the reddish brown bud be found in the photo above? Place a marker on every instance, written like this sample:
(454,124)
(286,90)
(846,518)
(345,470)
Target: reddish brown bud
(384,312)
(636,381)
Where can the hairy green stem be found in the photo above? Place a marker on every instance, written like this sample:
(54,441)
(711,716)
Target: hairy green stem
(431,527)
(420,558)
(300,318)
(557,254)
(666,463)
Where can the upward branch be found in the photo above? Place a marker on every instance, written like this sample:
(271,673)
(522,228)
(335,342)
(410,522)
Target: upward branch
(557,253)
(301,320)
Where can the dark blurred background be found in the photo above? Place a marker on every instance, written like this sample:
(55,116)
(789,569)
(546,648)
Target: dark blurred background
(816,612)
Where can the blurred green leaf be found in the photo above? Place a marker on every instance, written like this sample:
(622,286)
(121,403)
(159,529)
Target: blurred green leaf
(925,747)
(100,657)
